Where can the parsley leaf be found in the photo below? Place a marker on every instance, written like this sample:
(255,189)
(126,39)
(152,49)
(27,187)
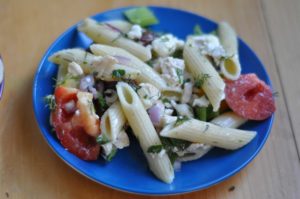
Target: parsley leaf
(112,154)
(197,30)
(155,148)
(199,81)
(50,102)
(118,74)
(180,120)
(102,103)
(102,139)
(179,73)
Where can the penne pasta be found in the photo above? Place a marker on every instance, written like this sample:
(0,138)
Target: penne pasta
(148,75)
(80,56)
(112,121)
(122,25)
(144,130)
(102,33)
(199,65)
(208,133)
(229,119)
(230,66)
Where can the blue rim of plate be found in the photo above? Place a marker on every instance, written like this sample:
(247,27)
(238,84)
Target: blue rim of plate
(45,132)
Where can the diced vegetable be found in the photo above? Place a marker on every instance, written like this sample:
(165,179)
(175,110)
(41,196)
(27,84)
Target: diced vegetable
(142,16)
(201,113)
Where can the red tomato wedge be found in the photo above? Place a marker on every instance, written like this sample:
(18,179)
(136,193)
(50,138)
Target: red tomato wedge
(250,97)
(69,132)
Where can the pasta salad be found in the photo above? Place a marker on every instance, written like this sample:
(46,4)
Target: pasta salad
(179,98)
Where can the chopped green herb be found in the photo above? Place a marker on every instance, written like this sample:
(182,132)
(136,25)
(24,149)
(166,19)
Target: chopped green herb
(155,148)
(118,74)
(173,157)
(178,54)
(102,103)
(180,120)
(141,15)
(179,73)
(211,114)
(197,30)
(102,139)
(201,113)
(112,154)
(145,96)
(50,102)
(165,100)
(150,62)
(199,81)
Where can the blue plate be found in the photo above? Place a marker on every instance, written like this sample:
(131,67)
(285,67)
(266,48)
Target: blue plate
(128,171)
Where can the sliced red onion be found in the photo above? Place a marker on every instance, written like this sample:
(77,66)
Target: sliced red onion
(177,165)
(122,59)
(70,107)
(147,38)
(156,112)
(86,82)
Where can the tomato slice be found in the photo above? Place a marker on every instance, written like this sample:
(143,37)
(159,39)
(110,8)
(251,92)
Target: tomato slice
(250,97)
(69,132)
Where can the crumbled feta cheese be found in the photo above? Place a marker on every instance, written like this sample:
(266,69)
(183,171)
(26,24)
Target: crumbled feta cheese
(135,32)
(187,92)
(75,69)
(172,70)
(167,119)
(201,102)
(122,140)
(210,45)
(148,94)
(166,45)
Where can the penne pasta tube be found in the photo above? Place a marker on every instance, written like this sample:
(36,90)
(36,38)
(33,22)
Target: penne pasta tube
(144,130)
(199,65)
(80,56)
(148,75)
(112,121)
(230,120)
(208,133)
(102,33)
(230,66)
(122,25)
